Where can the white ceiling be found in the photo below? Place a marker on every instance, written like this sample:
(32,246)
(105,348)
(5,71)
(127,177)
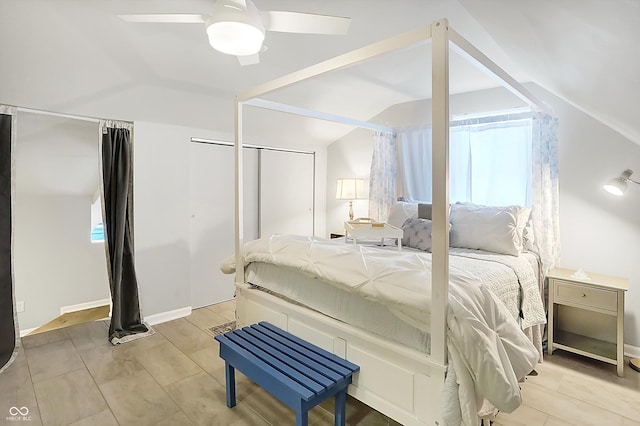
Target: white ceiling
(78,57)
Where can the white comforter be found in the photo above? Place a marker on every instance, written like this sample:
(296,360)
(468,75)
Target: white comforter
(488,350)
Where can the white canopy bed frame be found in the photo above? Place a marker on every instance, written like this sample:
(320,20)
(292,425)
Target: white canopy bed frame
(401,382)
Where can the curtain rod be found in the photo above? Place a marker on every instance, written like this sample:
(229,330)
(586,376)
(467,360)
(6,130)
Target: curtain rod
(492,119)
(477,120)
(70,116)
(268,148)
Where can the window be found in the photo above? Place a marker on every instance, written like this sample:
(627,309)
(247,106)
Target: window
(97,225)
(97,233)
(489,161)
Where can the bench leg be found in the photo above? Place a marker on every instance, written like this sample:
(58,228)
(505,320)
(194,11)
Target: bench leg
(341,408)
(302,418)
(230,373)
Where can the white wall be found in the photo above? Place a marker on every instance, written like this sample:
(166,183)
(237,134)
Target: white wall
(55,263)
(349,157)
(162,216)
(599,233)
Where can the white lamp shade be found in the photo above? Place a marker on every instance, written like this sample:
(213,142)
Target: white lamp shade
(617,186)
(352,189)
(234,31)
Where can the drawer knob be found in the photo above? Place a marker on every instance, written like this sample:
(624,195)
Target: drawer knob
(584,295)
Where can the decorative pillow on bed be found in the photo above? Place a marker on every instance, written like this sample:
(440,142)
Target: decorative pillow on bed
(401,211)
(495,229)
(417,233)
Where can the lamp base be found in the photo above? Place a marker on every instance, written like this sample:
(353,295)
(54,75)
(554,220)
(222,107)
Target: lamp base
(350,210)
(635,364)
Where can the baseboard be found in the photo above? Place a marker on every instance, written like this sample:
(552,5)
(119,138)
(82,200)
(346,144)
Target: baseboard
(83,306)
(150,319)
(27,331)
(632,351)
(168,316)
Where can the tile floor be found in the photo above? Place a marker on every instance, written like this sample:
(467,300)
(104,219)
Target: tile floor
(73,376)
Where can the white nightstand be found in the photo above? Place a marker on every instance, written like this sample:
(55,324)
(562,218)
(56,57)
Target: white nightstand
(586,316)
(371,231)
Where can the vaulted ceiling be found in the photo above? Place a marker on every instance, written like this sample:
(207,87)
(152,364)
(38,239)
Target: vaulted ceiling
(78,57)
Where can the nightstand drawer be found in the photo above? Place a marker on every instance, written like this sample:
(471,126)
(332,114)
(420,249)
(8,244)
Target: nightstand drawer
(580,295)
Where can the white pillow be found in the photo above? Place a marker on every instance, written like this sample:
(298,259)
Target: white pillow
(495,229)
(400,212)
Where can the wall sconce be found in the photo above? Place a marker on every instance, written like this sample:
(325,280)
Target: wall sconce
(618,186)
(351,189)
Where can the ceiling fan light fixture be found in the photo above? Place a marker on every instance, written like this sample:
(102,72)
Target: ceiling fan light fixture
(235,29)
(235,38)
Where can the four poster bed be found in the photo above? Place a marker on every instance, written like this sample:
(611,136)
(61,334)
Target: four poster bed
(431,341)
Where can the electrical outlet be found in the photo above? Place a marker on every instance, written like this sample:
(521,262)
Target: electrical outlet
(20,306)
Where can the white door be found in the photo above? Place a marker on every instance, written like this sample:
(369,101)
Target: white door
(286,193)
(213,217)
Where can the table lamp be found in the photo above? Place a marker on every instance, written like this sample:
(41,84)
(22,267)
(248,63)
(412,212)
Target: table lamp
(351,189)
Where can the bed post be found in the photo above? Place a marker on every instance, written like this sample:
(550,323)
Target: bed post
(440,189)
(239,278)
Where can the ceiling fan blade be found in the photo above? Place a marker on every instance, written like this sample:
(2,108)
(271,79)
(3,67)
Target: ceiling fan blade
(249,59)
(242,4)
(308,23)
(164,18)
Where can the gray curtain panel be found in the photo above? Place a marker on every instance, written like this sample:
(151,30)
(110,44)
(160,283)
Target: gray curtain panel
(7,325)
(117,162)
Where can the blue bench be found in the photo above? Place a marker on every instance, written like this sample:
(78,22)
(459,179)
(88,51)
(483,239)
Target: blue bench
(299,374)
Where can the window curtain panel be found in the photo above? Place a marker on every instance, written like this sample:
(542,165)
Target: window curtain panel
(414,164)
(117,186)
(485,161)
(494,160)
(382,179)
(544,189)
(9,331)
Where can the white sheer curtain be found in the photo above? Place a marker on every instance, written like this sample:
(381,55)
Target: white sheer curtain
(382,179)
(414,163)
(489,162)
(544,189)
(499,162)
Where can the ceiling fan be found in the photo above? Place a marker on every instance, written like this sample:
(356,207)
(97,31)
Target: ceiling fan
(237,27)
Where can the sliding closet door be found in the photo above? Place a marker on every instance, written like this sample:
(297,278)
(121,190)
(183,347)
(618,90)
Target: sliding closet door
(213,217)
(286,193)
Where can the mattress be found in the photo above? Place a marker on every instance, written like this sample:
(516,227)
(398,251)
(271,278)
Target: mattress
(504,275)
(336,303)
